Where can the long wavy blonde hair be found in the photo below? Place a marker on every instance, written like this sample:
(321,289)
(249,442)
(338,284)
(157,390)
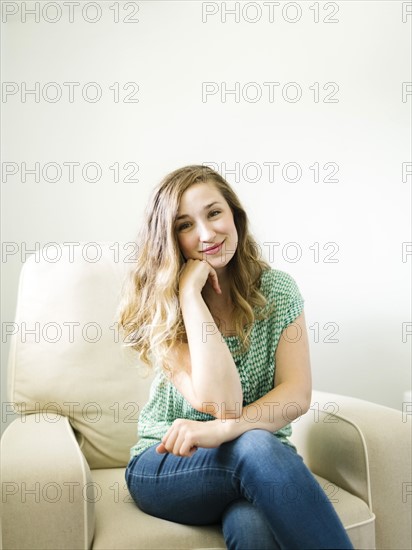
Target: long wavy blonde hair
(150,314)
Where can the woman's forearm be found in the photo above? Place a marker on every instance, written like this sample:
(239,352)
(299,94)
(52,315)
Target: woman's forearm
(273,411)
(214,374)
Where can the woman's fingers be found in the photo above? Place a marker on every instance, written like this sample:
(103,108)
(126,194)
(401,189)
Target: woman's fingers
(184,443)
(188,450)
(168,440)
(215,281)
(185,436)
(171,440)
(178,440)
(161,449)
(213,278)
(193,274)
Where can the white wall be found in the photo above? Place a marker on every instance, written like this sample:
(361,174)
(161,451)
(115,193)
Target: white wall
(174,48)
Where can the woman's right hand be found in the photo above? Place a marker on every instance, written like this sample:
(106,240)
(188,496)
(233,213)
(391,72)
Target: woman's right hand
(195,274)
(185,436)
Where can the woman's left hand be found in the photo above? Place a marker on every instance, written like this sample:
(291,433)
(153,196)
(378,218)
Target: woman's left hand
(185,436)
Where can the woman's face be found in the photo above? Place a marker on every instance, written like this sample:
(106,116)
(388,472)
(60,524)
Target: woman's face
(204,220)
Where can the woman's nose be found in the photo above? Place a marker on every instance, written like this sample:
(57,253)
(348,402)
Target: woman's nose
(206,233)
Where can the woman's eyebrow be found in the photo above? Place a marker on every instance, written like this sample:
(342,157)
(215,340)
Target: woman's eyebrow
(204,208)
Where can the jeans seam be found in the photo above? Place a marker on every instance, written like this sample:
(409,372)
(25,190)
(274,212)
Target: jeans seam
(187,471)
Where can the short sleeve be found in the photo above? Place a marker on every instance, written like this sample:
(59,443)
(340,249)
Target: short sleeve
(293,301)
(283,290)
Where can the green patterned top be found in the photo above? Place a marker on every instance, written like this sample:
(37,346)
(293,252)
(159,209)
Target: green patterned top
(256,367)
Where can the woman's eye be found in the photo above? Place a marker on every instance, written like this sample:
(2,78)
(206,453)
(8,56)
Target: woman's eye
(185,225)
(182,226)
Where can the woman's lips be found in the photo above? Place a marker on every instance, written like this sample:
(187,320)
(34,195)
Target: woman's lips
(215,249)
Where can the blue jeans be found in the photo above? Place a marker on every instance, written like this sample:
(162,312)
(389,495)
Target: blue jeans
(257,487)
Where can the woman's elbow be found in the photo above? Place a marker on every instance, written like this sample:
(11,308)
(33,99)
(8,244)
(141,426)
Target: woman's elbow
(304,403)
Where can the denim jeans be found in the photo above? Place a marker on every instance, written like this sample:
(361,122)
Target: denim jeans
(257,487)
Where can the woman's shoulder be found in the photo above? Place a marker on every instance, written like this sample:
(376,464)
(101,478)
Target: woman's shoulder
(276,281)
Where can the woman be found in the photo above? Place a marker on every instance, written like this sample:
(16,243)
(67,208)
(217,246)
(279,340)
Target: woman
(232,373)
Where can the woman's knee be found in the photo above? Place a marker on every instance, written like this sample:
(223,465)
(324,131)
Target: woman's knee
(250,439)
(262,462)
(261,444)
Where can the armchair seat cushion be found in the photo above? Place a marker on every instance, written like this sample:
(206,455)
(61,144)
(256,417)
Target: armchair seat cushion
(121,525)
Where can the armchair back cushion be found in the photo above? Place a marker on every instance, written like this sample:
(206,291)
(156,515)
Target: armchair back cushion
(67,357)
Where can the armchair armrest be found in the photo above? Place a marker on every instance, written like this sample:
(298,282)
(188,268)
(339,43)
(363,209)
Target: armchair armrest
(364,448)
(47,490)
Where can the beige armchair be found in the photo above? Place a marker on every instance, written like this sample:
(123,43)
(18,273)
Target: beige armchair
(78,393)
